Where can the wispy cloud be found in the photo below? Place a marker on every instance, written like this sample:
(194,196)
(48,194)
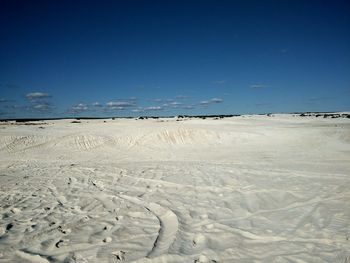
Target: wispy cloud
(138,109)
(114,108)
(80,107)
(45,107)
(170,101)
(181,97)
(97,104)
(216,100)
(37,95)
(158,100)
(120,105)
(38,101)
(206,103)
(153,108)
(175,104)
(124,104)
(188,107)
(258,86)
(149,108)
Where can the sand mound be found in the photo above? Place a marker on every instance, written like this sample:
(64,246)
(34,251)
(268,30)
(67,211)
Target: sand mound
(82,142)
(184,136)
(13,144)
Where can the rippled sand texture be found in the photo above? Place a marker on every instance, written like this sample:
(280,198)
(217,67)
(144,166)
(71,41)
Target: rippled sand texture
(242,189)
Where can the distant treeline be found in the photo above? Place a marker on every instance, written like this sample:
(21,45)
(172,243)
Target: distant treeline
(140,117)
(215,116)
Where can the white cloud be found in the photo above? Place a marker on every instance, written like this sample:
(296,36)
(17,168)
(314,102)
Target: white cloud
(139,109)
(97,104)
(80,107)
(42,107)
(205,102)
(37,95)
(116,108)
(113,104)
(119,105)
(216,100)
(188,107)
(39,106)
(175,104)
(152,108)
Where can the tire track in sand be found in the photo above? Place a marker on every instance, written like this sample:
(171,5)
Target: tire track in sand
(168,225)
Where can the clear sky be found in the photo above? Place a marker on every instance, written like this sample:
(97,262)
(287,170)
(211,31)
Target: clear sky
(130,58)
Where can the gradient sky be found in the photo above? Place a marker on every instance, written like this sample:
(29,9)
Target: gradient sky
(129,58)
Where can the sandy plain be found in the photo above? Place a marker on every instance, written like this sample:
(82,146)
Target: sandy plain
(240,189)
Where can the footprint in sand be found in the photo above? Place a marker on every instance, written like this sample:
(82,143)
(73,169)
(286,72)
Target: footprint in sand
(107,240)
(120,255)
(15,210)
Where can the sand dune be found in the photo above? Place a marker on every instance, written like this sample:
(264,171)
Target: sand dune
(242,189)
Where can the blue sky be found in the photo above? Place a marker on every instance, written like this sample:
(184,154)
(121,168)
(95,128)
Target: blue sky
(130,58)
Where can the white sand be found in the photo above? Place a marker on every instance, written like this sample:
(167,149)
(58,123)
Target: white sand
(243,189)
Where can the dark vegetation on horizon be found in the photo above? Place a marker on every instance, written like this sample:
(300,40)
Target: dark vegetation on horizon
(215,116)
